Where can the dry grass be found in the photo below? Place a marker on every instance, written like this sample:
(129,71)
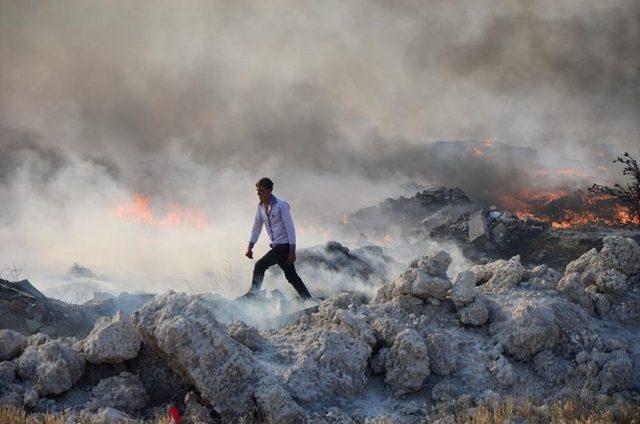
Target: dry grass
(506,411)
(162,420)
(14,416)
(17,416)
(522,410)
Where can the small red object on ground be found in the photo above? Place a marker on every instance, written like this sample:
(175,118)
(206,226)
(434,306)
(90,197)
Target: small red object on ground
(174,414)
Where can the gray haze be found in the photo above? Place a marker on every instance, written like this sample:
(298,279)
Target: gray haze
(192,101)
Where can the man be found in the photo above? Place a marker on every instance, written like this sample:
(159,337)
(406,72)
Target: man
(274,214)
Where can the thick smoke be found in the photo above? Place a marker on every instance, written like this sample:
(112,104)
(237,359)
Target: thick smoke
(311,84)
(339,102)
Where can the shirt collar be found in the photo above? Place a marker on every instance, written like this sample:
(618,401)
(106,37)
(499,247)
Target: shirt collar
(272,200)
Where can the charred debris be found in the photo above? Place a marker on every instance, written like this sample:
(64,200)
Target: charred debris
(550,228)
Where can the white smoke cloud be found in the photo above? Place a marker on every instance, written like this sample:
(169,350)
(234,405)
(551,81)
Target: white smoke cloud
(191,103)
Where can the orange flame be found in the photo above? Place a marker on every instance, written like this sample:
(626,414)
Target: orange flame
(573,219)
(563,172)
(476,151)
(579,209)
(387,240)
(139,211)
(523,202)
(624,215)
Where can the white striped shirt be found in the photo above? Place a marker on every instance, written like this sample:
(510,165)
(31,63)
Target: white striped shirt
(278,223)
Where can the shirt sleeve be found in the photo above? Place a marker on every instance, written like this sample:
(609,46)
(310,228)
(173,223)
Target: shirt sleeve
(288,225)
(255,231)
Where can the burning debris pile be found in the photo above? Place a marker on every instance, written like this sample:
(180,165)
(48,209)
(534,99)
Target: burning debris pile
(424,346)
(563,209)
(543,227)
(436,208)
(516,202)
(530,186)
(490,234)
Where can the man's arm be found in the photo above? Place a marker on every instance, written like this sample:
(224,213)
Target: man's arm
(255,232)
(288,225)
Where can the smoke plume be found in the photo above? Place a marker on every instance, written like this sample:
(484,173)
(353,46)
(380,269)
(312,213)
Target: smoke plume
(339,102)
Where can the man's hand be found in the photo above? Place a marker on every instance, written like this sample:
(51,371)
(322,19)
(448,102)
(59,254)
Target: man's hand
(292,257)
(249,254)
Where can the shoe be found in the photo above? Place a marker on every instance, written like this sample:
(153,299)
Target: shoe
(252,293)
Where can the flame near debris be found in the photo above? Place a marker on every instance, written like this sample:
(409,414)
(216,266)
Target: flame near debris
(481,150)
(562,172)
(565,209)
(139,211)
(556,204)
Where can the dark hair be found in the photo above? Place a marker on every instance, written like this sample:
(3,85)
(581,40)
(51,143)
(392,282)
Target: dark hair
(265,182)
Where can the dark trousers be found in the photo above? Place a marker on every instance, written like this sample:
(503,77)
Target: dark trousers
(278,255)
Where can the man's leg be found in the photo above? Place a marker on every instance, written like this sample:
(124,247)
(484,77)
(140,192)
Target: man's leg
(293,278)
(269,259)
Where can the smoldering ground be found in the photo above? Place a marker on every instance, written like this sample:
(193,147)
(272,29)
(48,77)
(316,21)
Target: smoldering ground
(192,102)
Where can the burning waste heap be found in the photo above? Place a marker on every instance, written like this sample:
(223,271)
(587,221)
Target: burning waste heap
(515,201)
(550,227)
(427,345)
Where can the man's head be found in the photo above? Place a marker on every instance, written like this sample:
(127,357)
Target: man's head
(263,188)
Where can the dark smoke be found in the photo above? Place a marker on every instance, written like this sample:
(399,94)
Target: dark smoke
(308,86)
(339,102)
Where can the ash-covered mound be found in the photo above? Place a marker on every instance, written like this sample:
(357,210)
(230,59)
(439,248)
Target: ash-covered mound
(81,285)
(364,268)
(105,304)
(405,216)
(25,309)
(425,346)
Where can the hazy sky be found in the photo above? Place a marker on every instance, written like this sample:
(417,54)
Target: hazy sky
(192,101)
